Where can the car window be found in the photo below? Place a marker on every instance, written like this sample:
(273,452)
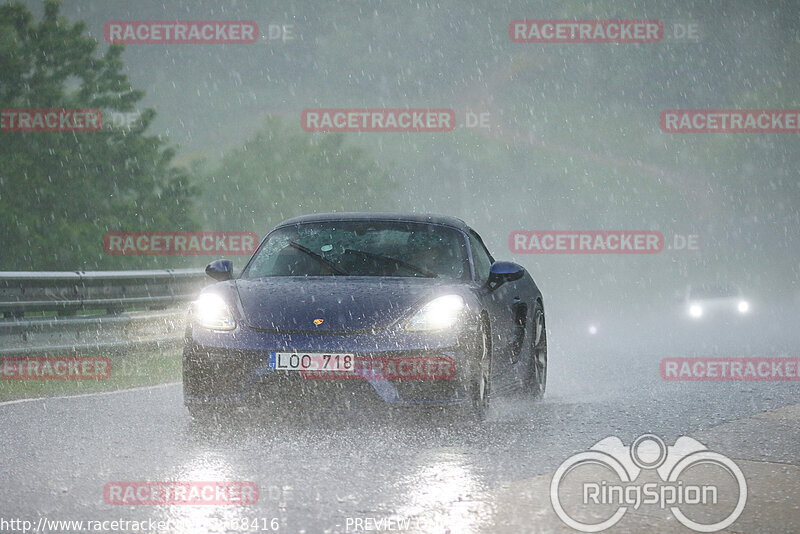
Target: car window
(364,248)
(481,258)
(714,291)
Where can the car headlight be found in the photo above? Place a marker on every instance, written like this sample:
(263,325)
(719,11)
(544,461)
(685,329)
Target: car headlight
(696,311)
(210,311)
(743,306)
(438,314)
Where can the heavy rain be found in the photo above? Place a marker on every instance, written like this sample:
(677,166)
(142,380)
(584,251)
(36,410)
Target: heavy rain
(399,266)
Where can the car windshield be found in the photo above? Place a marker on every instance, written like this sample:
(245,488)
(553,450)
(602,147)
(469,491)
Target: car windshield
(714,291)
(362,248)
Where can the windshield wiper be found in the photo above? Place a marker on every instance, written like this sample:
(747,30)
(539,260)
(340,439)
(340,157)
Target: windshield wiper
(327,263)
(424,272)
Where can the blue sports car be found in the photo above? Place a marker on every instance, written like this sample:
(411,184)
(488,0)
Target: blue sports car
(408,309)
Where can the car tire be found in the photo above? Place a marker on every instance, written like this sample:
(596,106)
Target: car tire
(537,374)
(480,384)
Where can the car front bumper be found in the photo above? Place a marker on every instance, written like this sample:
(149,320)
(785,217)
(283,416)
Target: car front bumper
(399,368)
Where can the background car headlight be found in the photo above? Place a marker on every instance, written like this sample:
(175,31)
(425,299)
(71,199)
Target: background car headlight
(743,306)
(210,311)
(438,314)
(696,311)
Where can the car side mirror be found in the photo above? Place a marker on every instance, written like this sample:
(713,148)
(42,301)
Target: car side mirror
(504,271)
(220,270)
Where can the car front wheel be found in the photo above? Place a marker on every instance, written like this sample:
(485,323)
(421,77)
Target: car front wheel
(480,386)
(537,376)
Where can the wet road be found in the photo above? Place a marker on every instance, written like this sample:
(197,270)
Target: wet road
(426,471)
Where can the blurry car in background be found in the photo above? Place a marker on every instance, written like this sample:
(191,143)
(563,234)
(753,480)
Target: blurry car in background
(715,301)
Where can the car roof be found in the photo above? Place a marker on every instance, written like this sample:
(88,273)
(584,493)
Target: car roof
(430,218)
(715,290)
(715,285)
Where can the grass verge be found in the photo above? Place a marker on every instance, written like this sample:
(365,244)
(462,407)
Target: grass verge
(142,367)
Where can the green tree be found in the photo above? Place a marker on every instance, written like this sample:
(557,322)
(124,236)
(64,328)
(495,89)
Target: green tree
(283,172)
(60,192)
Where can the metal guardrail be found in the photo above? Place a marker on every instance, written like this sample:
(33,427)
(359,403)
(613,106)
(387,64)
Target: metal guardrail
(118,309)
(113,291)
(90,334)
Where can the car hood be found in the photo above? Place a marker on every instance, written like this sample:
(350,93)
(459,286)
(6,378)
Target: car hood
(344,304)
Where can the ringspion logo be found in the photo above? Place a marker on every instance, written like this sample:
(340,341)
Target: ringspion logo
(180,32)
(704,490)
(378,120)
(586,31)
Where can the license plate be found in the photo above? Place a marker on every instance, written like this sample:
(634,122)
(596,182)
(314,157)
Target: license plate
(314,361)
